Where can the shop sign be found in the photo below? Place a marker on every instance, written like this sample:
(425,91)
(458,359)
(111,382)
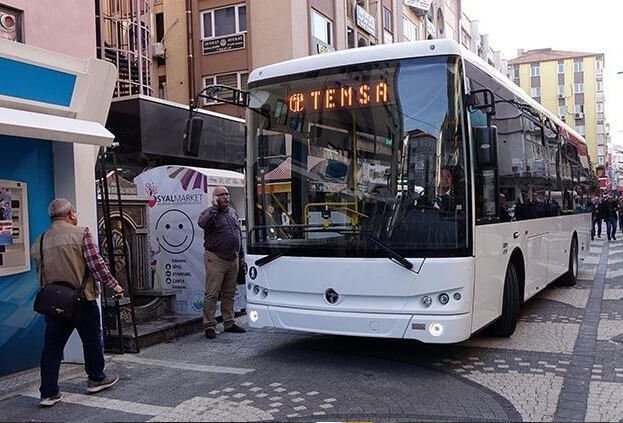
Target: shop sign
(420,5)
(365,21)
(218,45)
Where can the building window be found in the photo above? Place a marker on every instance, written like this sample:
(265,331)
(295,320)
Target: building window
(234,79)
(578,65)
(409,29)
(159,26)
(599,64)
(535,70)
(350,37)
(322,28)
(388,37)
(600,86)
(162,87)
(581,129)
(561,68)
(387,19)
(561,91)
(562,112)
(535,92)
(578,87)
(578,108)
(600,107)
(225,21)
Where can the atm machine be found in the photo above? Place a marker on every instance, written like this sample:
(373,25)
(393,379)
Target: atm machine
(14,236)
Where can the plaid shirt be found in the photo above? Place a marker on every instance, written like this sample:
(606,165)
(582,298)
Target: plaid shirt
(95,262)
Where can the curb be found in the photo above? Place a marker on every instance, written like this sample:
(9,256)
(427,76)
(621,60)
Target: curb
(14,384)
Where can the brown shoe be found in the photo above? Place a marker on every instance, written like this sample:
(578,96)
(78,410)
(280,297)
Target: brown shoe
(235,329)
(210,333)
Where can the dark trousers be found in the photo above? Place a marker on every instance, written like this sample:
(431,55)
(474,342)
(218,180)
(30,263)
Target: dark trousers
(611,227)
(57,334)
(596,222)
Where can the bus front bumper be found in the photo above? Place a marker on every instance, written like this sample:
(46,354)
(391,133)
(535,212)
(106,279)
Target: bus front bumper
(437,329)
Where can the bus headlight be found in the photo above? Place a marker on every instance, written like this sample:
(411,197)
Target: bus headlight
(256,289)
(435,329)
(265,292)
(254,316)
(444,298)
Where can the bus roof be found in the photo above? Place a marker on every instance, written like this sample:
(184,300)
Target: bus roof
(356,55)
(403,50)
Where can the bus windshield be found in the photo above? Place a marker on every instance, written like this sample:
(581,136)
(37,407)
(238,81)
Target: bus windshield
(356,160)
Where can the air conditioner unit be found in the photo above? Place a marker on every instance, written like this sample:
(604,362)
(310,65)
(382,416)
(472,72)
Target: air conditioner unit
(579,115)
(563,118)
(158,50)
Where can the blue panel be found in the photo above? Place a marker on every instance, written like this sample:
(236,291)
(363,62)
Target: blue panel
(31,82)
(21,329)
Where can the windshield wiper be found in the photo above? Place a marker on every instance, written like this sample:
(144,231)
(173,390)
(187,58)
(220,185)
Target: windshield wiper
(265,260)
(392,254)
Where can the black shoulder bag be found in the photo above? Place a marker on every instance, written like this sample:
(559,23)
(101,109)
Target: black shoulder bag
(59,299)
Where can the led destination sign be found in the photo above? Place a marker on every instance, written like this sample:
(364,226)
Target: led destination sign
(340,97)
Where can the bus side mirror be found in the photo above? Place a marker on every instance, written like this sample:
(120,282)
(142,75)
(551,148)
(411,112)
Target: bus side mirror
(486,139)
(481,100)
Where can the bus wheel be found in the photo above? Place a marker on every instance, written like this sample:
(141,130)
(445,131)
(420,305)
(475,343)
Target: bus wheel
(505,325)
(571,277)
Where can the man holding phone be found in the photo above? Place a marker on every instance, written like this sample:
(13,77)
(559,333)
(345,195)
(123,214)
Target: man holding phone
(223,257)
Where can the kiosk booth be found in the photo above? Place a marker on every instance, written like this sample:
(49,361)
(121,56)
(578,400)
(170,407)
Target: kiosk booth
(176,195)
(52,113)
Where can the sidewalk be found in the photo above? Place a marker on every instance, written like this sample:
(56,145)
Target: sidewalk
(564,363)
(12,385)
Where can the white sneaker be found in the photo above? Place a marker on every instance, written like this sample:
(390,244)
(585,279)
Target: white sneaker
(50,401)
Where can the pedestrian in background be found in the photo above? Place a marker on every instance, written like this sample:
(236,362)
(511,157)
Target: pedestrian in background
(70,254)
(601,213)
(611,209)
(595,219)
(223,257)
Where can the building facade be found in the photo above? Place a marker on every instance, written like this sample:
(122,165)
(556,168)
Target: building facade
(226,39)
(570,84)
(54,99)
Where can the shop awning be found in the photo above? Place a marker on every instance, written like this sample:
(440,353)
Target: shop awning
(284,170)
(20,123)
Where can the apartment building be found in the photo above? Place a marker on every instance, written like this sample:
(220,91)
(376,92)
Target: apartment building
(570,84)
(226,39)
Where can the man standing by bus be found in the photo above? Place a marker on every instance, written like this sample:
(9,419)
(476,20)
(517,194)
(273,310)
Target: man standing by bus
(223,256)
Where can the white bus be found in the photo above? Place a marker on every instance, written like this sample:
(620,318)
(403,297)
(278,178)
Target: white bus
(406,191)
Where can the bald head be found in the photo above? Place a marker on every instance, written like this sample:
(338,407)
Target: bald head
(220,197)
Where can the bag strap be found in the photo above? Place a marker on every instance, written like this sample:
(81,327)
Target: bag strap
(41,254)
(84,278)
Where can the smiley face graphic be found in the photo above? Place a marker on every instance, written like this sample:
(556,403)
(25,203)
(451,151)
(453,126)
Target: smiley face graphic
(174,231)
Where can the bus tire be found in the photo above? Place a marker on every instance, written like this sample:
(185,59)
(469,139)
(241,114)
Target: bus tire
(505,325)
(571,277)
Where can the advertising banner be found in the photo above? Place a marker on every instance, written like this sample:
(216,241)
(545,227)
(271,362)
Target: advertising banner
(176,196)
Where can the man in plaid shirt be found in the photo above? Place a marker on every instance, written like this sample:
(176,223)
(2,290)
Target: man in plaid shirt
(67,252)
